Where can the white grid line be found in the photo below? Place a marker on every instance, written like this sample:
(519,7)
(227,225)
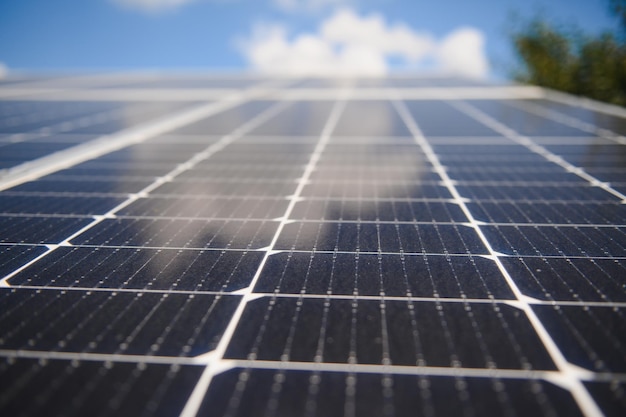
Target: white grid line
(570,373)
(560,375)
(314,220)
(564,119)
(314,366)
(109,143)
(509,133)
(198,157)
(193,404)
(349,297)
(362,252)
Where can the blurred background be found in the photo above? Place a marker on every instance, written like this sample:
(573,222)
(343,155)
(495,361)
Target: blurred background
(572,45)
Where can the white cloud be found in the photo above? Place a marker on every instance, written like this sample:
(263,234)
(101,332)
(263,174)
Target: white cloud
(463,52)
(347,28)
(347,43)
(269,50)
(3,70)
(152,6)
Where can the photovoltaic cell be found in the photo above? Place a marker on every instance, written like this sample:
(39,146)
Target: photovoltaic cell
(113,322)
(369,332)
(369,237)
(29,116)
(437,118)
(364,210)
(259,392)
(391,275)
(29,229)
(559,212)
(14,256)
(207,207)
(98,388)
(240,189)
(535,192)
(79,184)
(118,169)
(374,184)
(513,174)
(611,396)
(524,122)
(591,337)
(558,241)
(150,269)
(596,118)
(62,204)
(178,233)
(565,279)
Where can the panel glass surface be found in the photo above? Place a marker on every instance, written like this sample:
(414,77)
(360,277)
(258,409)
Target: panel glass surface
(315,247)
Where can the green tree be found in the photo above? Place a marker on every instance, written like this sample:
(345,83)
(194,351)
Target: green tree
(548,56)
(601,70)
(565,60)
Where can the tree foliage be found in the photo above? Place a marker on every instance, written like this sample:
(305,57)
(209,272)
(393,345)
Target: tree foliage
(592,66)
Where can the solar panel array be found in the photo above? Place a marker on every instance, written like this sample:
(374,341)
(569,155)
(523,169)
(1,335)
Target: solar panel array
(239,246)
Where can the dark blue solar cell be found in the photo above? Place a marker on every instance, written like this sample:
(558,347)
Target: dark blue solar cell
(25,151)
(593,337)
(67,185)
(513,175)
(207,207)
(25,229)
(557,241)
(540,212)
(569,279)
(174,270)
(13,257)
(80,388)
(388,332)
(179,233)
(98,168)
(436,118)
(263,392)
(57,204)
(594,118)
(610,396)
(227,188)
(50,115)
(582,192)
(369,237)
(372,210)
(129,323)
(373,185)
(523,122)
(391,275)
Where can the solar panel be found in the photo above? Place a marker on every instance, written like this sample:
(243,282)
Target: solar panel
(248,246)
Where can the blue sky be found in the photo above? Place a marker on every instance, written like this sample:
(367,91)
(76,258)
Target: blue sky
(239,34)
